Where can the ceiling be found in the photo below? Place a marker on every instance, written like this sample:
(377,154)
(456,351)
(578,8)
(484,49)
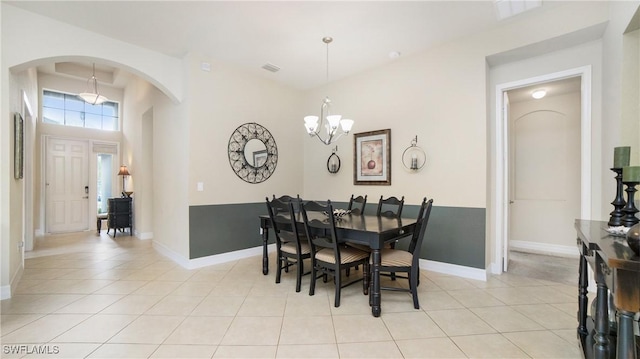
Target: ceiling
(288,34)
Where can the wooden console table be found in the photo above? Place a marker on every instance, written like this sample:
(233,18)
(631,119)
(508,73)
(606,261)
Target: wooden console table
(617,271)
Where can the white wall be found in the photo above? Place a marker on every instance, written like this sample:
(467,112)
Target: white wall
(221,100)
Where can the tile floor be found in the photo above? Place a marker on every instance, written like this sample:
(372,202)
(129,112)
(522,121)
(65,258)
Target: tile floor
(88,296)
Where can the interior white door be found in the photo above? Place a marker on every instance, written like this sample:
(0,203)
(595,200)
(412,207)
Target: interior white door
(545,175)
(67,181)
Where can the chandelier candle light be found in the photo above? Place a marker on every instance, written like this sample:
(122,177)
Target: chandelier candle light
(334,123)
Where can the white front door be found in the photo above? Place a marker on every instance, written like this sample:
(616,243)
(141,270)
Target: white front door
(67,181)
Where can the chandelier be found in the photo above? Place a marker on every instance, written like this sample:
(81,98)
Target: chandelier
(92,96)
(333,125)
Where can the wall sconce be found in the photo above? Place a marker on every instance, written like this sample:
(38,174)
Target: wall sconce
(124,172)
(333,162)
(414,157)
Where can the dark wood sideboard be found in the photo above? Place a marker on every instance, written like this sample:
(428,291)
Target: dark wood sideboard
(120,215)
(616,271)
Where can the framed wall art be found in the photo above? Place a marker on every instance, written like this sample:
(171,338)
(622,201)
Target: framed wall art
(18,146)
(372,158)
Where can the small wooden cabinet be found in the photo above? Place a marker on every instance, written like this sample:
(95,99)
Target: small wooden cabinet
(120,215)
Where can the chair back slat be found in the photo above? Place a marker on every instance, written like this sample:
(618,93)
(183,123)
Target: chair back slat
(390,207)
(283,221)
(297,201)
(360,203)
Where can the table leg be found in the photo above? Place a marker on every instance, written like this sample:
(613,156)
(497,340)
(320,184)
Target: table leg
(583,281)
(626,346)
(375,292)
(265,255)
(601,337)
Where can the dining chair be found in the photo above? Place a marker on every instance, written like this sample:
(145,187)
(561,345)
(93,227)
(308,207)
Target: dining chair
(390,207)
(398,260)
(291,249)
(359,202)
(328,256)
(286,198)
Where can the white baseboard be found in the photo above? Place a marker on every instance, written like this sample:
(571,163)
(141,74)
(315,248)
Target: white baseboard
(210,260)
(7,290)
(143,235)
(439,267)
(454,269)
(545,248)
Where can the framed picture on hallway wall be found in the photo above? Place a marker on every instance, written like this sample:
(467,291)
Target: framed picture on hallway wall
(18,146)
(372,158)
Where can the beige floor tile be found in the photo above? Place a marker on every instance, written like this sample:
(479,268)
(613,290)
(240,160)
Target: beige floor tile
(438,301)
(447,282)
(44,329)
(177,275)
(200,331)
(301,304)
(11,322)
(253,331)
(114,274)
(547,316)
(96,329)
(194,289)
(221,289)
(506,319)
(65,350)
(122,287)
(488,346)
(129,351)
(412,325)
(475,298)
(132,304)
(567,334)
(175,305)
(262,306)
(456,322)
(544,344)
(184,351)
(512,296)
(297,351)
(245,352)
(218,306)
(92,303)
(157,288)
(307,330)
(207,276)
(387,349)
(147,329)
(360,328)
(432,348)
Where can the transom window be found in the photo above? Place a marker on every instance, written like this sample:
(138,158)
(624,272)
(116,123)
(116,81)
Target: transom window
(69,110)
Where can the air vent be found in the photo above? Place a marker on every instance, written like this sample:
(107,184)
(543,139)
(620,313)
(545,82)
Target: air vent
(271,67)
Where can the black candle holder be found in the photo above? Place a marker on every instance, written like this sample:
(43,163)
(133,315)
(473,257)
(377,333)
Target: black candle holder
(618,203)
(630,209)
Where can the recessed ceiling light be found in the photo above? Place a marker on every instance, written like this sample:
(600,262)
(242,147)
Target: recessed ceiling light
(538,94)
(394,54)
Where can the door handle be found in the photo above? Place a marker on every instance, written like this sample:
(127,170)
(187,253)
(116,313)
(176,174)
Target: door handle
(85,197)
(511,202)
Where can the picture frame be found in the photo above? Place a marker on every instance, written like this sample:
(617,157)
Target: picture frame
(372,158)
(259,158)
(18,146)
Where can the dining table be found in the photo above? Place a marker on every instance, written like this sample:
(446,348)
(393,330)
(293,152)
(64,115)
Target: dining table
(369,230)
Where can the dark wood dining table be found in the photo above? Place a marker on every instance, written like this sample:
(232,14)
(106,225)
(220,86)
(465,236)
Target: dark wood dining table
(369,230)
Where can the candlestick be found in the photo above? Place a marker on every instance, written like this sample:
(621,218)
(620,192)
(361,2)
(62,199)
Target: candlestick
(621,156)
(630,209)
(618,203)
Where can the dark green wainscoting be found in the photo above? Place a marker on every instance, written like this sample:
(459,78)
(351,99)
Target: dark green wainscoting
(455,235)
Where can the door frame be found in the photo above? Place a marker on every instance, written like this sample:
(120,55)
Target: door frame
(501,159)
